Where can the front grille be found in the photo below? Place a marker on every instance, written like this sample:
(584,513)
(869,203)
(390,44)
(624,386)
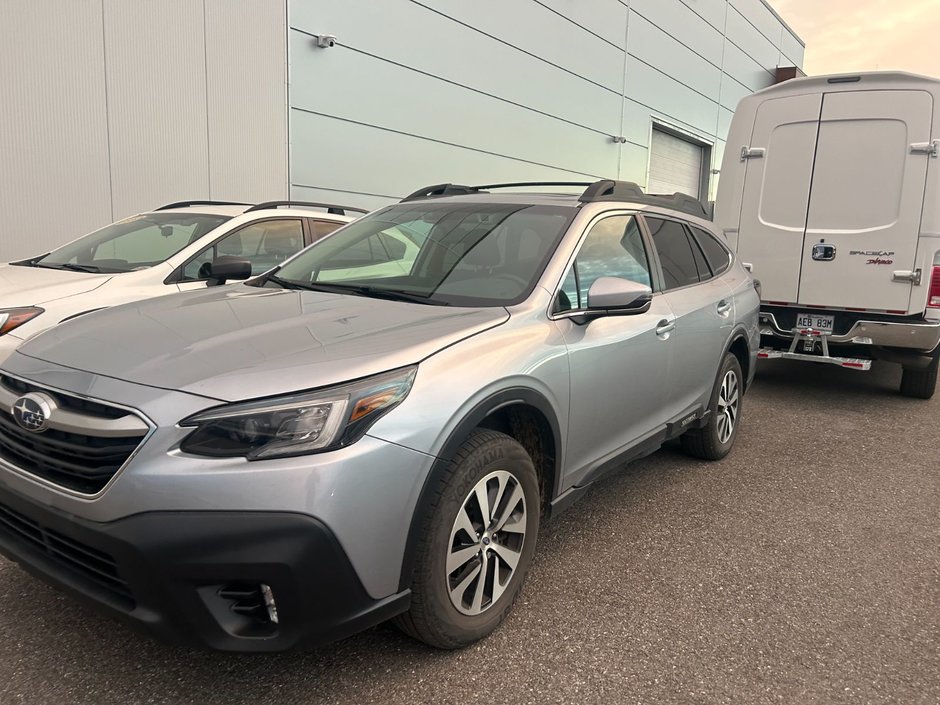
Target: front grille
(83,462)
(76,404)
(89,564)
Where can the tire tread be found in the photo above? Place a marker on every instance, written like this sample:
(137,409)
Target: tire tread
(419,622)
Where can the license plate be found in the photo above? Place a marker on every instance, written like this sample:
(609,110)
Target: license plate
(814,321)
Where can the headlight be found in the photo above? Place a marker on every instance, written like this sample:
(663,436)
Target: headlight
(12,318)
(297,424)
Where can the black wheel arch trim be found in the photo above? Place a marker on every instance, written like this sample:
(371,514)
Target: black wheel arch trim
(500,400)
(740,333)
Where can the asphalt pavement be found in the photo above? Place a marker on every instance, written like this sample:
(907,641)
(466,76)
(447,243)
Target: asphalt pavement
(804,568)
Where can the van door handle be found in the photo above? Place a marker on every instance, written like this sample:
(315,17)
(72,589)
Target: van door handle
(724,308)
(665,327)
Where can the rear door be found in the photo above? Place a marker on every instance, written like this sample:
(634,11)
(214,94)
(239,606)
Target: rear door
(778,175)
(703,308)
(866,200)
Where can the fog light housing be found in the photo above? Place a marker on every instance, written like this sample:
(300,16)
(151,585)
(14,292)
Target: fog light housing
(269,602)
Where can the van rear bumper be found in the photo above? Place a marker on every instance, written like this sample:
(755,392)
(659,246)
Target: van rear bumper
(920,336)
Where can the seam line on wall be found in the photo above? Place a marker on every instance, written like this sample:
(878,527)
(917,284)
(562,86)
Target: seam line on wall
(107,113)
(468,88)
(205,69)
(445,142)
(513,46)
(343,190)
(577,24)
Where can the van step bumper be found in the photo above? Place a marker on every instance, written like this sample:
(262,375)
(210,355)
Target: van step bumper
(853,363)
(922,336)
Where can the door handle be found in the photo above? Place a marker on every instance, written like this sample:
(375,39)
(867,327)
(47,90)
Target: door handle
(823,252)
(724,308)
(665,327)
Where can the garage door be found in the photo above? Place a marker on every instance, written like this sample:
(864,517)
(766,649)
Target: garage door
(675,165)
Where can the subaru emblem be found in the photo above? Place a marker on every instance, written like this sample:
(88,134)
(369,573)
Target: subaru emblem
(32,412)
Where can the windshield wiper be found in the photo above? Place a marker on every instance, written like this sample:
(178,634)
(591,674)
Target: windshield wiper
(373,292)
(288,283)
(75,267)
(376,292)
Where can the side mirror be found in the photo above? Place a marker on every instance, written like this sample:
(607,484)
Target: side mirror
(225,267)
(613,296)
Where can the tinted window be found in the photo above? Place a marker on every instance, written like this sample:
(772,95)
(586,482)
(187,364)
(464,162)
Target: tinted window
(700,264)
(322,228)
(136,242)
(265,244)
(613,248)
(716,254)
(675,252)
(463,253)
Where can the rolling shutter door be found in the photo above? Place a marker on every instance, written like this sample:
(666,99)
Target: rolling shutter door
(675,165)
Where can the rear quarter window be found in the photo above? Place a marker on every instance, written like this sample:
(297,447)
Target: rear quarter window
(718,256)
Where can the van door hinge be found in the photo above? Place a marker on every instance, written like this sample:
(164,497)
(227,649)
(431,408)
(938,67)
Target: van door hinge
(931,148)
(752,153)
(914,277)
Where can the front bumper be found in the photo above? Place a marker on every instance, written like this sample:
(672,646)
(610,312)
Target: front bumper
(163,572)
(922,336)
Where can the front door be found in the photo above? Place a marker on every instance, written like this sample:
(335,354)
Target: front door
(618,363)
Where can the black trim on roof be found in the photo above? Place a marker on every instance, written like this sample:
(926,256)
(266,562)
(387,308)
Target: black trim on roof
(598,191)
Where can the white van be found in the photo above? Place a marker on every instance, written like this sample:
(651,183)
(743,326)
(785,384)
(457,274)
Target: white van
(830,193)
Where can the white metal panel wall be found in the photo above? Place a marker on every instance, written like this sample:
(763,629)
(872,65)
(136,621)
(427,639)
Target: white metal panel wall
(489,90)
(156,77)
(54,179)
(115,106)
(246,78)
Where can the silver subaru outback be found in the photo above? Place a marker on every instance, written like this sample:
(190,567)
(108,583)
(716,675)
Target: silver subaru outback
(376,429)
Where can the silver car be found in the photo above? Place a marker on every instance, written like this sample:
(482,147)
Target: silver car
(375,429)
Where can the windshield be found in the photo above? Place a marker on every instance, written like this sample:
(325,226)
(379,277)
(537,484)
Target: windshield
(462,254)
(133,243)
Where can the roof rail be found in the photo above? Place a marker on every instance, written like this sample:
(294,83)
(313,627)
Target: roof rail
(609,190)
(603,190)
(440,190)
(460,190)
(331,207)
(187,204)
(534,183)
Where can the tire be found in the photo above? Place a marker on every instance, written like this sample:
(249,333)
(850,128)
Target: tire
(920,384)
(715,439)
(452,609)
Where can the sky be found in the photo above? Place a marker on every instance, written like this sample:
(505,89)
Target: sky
(845,36)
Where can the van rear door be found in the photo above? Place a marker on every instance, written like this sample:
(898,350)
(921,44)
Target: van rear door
(779,170)
(866,199)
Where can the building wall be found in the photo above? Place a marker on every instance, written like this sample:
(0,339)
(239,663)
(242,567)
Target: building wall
(111,107)
(424,91)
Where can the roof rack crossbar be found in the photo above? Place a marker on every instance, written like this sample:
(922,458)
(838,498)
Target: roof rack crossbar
(331,207)
(534,183)
(187,204)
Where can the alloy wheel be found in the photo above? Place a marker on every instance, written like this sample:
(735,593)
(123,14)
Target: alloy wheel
(727,406)
(486,543)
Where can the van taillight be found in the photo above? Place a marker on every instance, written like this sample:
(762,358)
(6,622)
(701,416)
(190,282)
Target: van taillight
(933,298)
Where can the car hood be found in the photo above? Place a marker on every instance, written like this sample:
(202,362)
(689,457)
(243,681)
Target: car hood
(34,286)
(234,343)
